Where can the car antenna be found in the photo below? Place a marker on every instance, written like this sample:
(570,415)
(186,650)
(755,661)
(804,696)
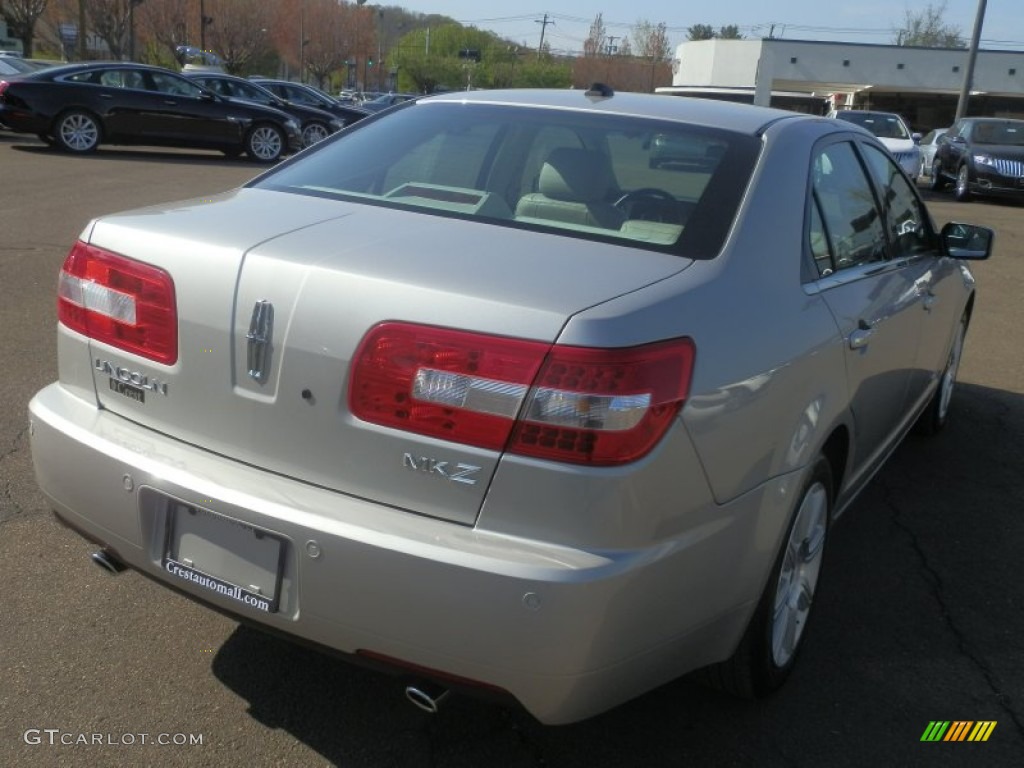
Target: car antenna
(599,91)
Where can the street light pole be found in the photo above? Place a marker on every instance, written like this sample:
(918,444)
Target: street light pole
(965,92)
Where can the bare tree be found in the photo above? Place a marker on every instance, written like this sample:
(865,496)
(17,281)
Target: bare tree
(238,33)
(594,45)
(927,29)
(109,20)
(21,16)
(650,41)
(165,22)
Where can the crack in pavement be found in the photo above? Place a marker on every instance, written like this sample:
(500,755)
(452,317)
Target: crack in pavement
(934,579)
(7,495)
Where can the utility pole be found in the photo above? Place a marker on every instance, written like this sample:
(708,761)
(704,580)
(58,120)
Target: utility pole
(543,29)
(965,92)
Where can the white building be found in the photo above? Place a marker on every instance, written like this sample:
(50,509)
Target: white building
(8,43)
(923,84)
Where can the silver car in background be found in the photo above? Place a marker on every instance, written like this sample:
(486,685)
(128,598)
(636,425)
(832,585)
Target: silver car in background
(890,129)
(481,393)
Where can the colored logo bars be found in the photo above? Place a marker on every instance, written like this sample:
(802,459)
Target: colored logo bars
(958,730)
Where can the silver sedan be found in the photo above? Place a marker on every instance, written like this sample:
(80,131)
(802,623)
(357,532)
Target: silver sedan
(480,391)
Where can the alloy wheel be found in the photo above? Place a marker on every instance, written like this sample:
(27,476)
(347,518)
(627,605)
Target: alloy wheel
(798,577)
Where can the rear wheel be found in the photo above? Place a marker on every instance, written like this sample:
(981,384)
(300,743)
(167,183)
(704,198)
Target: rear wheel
(313,132)
(937,182)
(77,131)
(265,143)
(768,651)
(962,191)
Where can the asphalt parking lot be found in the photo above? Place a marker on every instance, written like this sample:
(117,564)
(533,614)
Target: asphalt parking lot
(920,617)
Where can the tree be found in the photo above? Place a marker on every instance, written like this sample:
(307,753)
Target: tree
(650,41)
(700,32)
(729,32)
(109,20)
(594,44)
(21,17)
(238,33)
(165,23)
(927,29)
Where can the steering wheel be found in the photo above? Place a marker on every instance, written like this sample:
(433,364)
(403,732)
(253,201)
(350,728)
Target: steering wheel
(644,193)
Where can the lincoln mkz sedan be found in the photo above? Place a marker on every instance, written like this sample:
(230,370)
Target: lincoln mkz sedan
(479,393)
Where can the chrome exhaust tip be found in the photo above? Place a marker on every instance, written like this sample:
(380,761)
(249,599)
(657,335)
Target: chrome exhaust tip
(107,562)
(426,696)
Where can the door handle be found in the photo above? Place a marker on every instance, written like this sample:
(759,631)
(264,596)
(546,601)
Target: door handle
(859,339)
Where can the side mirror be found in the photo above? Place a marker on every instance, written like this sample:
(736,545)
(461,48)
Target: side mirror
(967,241)
(916,137)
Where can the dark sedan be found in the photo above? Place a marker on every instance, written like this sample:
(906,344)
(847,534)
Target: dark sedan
(316,124)
(80,106)
(981,156)
(307,95)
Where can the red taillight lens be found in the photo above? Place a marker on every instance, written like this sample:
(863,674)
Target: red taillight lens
(575,404)
(119,301)
(604,406)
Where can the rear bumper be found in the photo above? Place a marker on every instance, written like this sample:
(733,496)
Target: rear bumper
(566,631)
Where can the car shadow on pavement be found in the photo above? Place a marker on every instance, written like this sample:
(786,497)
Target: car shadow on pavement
(145,155)
(918,612)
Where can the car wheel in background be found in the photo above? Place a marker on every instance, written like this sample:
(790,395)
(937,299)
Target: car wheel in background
(313,132)
(265,143)
(962,191)
(768,650)
(938,183)
(936,414)
(77,131)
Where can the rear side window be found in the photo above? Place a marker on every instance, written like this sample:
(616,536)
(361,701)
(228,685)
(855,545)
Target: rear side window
(648,183)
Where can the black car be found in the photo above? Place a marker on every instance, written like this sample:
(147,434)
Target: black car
(80,106)
(308,96)
(981,156)
(316,124)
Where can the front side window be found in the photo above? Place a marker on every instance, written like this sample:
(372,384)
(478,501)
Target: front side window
(907,221)
(175,86)
(579,174)
(845,202)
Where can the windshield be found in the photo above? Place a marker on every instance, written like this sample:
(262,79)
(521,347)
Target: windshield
(660,185)
(882,125)
(1005,132)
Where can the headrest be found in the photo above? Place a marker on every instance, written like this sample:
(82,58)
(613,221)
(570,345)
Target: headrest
(575,175)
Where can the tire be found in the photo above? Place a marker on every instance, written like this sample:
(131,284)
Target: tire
(937,182)
(936,415)
(313,132)
(77,131)
(265,143)
(962,190)
(768,651)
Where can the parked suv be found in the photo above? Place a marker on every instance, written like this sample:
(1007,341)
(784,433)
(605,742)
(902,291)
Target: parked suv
(892,131)
(982,156)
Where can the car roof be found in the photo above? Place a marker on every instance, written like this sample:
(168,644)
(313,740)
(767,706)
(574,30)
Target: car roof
(742,118)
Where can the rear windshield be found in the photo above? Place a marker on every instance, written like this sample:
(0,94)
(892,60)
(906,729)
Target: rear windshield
(654,184)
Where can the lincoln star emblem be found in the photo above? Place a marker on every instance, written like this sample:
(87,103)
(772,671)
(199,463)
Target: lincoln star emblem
(261,328)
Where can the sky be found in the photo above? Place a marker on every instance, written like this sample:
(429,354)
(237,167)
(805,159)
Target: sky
(867,21)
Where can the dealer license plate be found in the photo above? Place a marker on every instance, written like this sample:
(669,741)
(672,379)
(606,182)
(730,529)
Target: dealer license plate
(225,556)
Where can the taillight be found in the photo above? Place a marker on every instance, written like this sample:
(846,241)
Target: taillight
(573,404)
(119,301)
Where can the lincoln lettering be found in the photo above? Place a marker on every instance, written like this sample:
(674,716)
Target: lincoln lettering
(127,376)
